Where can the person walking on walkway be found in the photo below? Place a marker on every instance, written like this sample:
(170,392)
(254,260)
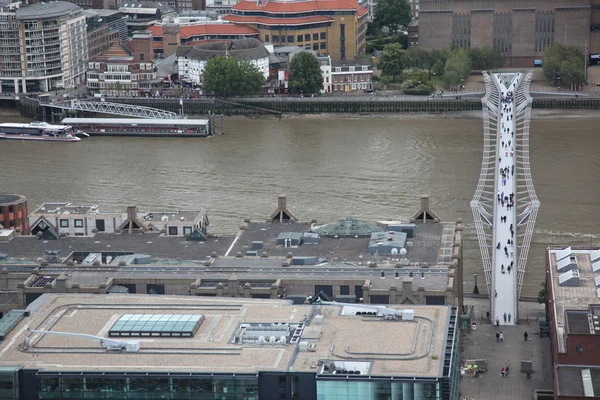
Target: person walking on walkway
(507,371)
(497,336)
(497,321)
(505,316)
(525,335)
(508,269)
(503,372)
(509,317)
(502,336)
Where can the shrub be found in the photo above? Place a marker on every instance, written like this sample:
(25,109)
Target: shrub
(411,87)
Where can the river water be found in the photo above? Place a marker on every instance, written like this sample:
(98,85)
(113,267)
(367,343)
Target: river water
(371,169)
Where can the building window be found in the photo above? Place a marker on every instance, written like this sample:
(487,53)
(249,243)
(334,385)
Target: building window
(64,223)
(275,39)
(173,230)
(300,38)
(78,223)
(307,46)
(315,36)
(323,45)
(344,290)
(142,56)
(315,46)
(290,39)
(323,35)
(435,300)
(10,209)
(307,37)
(187,230)
(267,38)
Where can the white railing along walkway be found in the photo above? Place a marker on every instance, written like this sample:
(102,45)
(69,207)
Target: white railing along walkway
(105,107)
(505,199)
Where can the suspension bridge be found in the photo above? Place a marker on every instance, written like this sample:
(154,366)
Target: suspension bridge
(505,205)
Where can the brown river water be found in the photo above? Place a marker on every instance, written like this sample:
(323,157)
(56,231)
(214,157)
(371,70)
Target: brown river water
(371,169)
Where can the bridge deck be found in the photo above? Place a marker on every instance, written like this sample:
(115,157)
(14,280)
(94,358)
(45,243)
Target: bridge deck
(505,216)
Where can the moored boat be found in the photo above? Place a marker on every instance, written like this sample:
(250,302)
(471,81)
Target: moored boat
(37,131)
(141,127)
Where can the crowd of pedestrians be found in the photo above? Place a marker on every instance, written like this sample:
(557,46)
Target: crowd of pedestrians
(505,256)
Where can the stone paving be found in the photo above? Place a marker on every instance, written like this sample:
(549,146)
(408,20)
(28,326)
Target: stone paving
(482,343)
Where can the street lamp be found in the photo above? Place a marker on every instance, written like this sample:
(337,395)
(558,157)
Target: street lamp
(475,289)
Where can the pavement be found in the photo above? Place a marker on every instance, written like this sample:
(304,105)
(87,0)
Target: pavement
(482,343)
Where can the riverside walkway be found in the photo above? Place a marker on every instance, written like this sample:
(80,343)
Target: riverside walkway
(505,204)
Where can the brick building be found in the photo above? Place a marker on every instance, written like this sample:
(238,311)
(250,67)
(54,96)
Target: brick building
(351,75)
(166,38)
(520,29)
(13,212)
(572,278)
(124,70)
(335,28)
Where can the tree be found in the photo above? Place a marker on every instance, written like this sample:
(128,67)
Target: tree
(458,66)
(226,76)
(393,14)
(485,58)
(392,60)
(566,62)
(305,73)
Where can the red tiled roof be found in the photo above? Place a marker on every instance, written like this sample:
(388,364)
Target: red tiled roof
(296,6)
(206,29)
(215,29)
(157,30)
(247,19)
(362,11)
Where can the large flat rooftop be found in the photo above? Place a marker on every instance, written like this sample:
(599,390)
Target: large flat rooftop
(158,246)
(431,244)
(400,348)
(578,290)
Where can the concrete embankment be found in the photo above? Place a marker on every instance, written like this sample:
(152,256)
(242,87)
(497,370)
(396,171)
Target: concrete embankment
(360,106)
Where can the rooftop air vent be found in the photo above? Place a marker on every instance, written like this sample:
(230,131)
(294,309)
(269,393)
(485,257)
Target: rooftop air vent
(569,278)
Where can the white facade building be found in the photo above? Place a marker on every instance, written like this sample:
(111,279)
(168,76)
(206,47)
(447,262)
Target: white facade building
(192,60)
(45,47)
(325,62)
(220,6)
(54,219)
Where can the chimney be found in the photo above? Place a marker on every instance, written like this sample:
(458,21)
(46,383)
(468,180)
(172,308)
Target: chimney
(425,202)
(132,212)
(282,202)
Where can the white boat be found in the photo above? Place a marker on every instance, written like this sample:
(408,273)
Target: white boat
(38,131)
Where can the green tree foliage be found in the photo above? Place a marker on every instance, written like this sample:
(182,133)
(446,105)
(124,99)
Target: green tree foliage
(541,298)
(458,66)
(416,87)
(486,58)
(417,76)
(225,76)
(392,60)
(393,14)
(418,58)
(566,62)
(305,73)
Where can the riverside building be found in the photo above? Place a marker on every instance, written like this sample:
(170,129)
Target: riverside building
(166,347)
(573,297)
(335,28)
(520,29)
(44,47)
(415,261)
